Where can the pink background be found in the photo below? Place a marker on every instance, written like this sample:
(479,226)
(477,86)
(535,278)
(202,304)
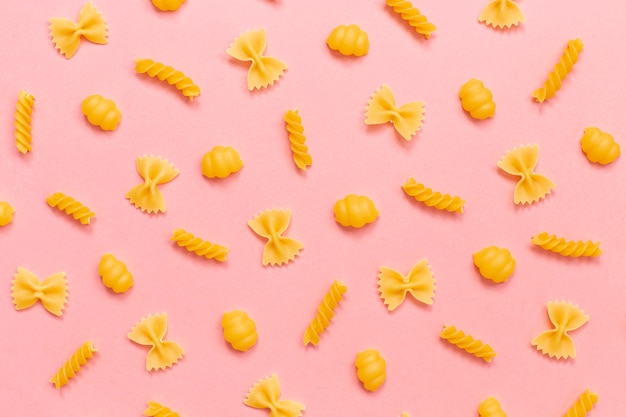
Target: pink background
(452,153)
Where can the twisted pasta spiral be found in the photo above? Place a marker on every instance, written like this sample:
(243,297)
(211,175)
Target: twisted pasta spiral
(239,330)
(73,364)
(583,404)
(324,313)
(413,16)
(23,112)
(371,369)
(101,112)
(564,67)
(564,247)
(293,124)
(467,343)
(198,246)
(157,410)
(71,207)
(349,40)
(490,408)
(599,146)
(433,198)
(166,73)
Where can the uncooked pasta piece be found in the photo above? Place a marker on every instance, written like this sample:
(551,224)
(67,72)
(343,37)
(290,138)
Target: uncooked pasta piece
(114,273)
(199,246)
(71,207)
(349,40)
(264,70)
(521,162)
(168,74)
(477,100)
(494,263)
(406,119)
(23,119)
(239,330)
(168,5)
(564,67)
(27,290)
(584,403)
(271,224)
(150,331)
(412,15)
(501,14)
(300,152)
(155,171)
(419,282)
(564,247)
(220,162)
(73,364)
(599,146)
(490,407)
(557,343)
(325,313)
(101,112)
(371,369)
(433,198)
(66,34)
(266,394)
(6,213)
(355,211)
(467,343)
(157,410)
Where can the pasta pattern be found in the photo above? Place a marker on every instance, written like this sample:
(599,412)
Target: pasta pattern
(239,330)
(432,198)
(501,14)
(419,282)
(155,171)
(490,408)
(73,364)
(150,331)
(406,119)
(599,146)
(264,70)
(168,6)
(413,16)
(349,40)
(266,394)
(220,162)
(157,410)
(101,112)
(564,247)
(293,124)
(23,119)
(71,207)
(477,100)
(271,224)
(371,369)
(325,313)
(114,273)
(521,162)
(355,211)
(168,74)
(66,34)
(6,213)
(27,290)
(564,67)
(199,246)
(584,403)
(494,263)
(467,343)
(557,343)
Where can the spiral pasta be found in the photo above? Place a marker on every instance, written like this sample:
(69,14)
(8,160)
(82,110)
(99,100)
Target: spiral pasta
(349,40)
(467,343)
(599,146)
(73,364)
(564,67)
(477,100)
(114,273)
(559,245)
(23,119)
(151,331)
(155,171)
(71,207)
(239,330)
(166,73)
(413,16)
(157,410)
(433,198)
(266,394)
(584,403)
(494,263)
(324,313)
(6,213)
(220,162)
(101,112)
(406,119)
(490,408)
(565,317)
(270,224)
(199,246)
(66,34)
(167,6)
(293,124)
(501,14)
(371,369)
(419,282)
(355,211)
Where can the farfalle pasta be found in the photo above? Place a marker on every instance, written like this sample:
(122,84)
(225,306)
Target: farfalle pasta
(6,213)
(599,146)
(300,152)
(101,112)
(150,331)
(432,198)
(490,407)
(521,161)
(158,410)
(264,70)
(27,290)
(583,404)
(220,162)
(406,119)
(371,369)
(22,123)
(239,330)
(73,364)
(466,342)
(325,313)
(66,34)
(494,263)
(71,207)
(355,211)
(564,247)
(172,76)
(557,343)
(199,246)
(155,171)
(266,394)
(477,100)
(114,273)
(349,40)
(502,14)
(271,224)
(419,282)
(167,5)
(564,67)
(413,16)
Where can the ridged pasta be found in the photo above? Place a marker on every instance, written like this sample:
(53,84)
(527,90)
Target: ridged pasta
(220,162)
(157,410)
(239,330)
(477,100)
(564,247)
(349,40)
(27,290)
(168,6)
(199,246)
(355,211)
(23,119)
(101,112)
(419,282)
(6,213)
(433,198)
(71,207)
(168,74)
(371,369)
(324,313)
(494,263)
(599,146)
(73,364)
(114,273)
(556,342)
(300,152)
(66,34)
(412,15)
(521,162)
(150,331)
(406,119)
(501,14)
(266,394)
(155,171)
(584,403)
(467,343)
(564,67)
(270,224)
(490,407)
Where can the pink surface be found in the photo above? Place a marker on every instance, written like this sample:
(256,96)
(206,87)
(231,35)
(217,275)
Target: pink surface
(452,153)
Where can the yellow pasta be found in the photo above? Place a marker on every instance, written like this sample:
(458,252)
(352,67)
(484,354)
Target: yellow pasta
(413,16)
(27,290)
(324,313)
(71,207)
(168,74)
(266,394)
(501,14)
(564,67)
(477,100)
(490,408)
(239,330)
(157,410)
(406,119)
(199,246)
(355,211)
(101,112)
(23,119)
(220,162)
(155,171)
(349,40)
(271,224)
(419,282)
(494,263)
(467,343)
(73,364)
(114,273)
(371,369)
(167,6)
(564,247)
(150,331)
(599,146)
(293,124)
(6,213)
(521,162)
(584,403)
(264,70)
(66,34)
(557,343)
(433,198)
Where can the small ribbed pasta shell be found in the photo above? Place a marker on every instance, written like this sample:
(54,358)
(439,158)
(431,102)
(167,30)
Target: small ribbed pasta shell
(101,112)
(494,263)
(349,40)
(6,213)
(477,100)
(355,211)
(239,330)
(599,146)
(490,408)
(168,5)
(114,274)
(371,369)
(220,162)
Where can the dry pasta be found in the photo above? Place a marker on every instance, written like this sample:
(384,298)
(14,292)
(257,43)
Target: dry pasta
(155,171)
(406,119)
(23,119)
(199,246)
(419,282)
(413,17)
(432,198)
(490,407)
(494,263)
(564,67)
(325,313)
(477,100)
(300,152)
(239,330)
(501,14)
(168,5)
(168,74)
(467,343)
(150,331)
(521,162)
(101,112)
(349,40)
(27,290)
(270,224)
(355,211)
(556,342)
(584,403)
(371,369)
(266,394)
(220,162)
(6,213)
(114,273)
(157,410)
(73,364)
(71,207)
(564,247)
(599,146)
(66,34)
